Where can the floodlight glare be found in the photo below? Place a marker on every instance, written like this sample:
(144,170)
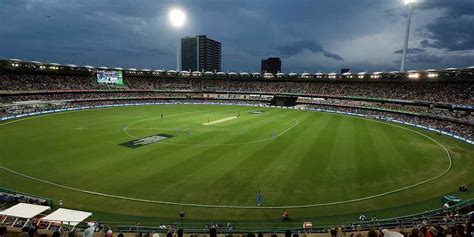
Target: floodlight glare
(177,17)
(409,1)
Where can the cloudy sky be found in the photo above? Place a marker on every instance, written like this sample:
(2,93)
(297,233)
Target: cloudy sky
(308,35)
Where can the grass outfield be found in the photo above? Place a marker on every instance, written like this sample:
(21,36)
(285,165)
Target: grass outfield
(314,158)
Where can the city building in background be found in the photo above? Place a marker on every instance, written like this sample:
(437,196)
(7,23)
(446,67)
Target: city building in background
(200,53)
(345,70)
(271,65)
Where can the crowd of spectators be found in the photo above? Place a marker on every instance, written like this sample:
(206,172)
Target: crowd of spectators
(86,95)
(450,222)
(448,92)
(16,101)
(29,82)
(17,198)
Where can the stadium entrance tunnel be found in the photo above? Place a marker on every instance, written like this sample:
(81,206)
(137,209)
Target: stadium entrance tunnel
(286,101)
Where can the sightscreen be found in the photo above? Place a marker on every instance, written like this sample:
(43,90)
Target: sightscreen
(110,77)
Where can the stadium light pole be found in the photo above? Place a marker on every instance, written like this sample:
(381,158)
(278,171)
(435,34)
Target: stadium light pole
(410,4)
(177,19)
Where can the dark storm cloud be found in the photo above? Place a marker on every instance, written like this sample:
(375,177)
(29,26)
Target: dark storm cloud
(427,60)
(451,33)
(308,35)
(454,31)
(296,47)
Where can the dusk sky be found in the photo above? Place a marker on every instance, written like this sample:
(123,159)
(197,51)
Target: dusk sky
(308,35)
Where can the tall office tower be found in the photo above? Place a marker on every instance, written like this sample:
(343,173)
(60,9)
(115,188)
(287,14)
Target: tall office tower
(200,53)
(271,65)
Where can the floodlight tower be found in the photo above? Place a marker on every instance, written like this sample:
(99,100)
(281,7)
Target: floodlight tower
(410,4)
(177,19)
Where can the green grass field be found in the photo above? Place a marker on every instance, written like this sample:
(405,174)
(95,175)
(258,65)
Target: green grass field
(315,158)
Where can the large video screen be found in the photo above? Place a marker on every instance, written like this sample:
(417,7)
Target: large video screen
(110,77)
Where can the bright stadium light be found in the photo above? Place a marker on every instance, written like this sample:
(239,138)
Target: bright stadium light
(410,4)
(177,19)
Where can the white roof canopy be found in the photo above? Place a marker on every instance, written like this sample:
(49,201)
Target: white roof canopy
(67,216)
(24,210)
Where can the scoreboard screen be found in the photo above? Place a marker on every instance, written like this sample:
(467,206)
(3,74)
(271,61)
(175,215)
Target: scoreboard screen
(110,77)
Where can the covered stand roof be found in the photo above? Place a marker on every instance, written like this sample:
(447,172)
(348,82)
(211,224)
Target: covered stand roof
(67,216)
(24,210)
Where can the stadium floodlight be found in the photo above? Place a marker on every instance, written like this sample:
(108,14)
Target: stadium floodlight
(177,19)
(410,4)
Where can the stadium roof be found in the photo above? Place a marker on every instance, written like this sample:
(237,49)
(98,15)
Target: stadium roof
(223,73)
(25,210)
(67,216)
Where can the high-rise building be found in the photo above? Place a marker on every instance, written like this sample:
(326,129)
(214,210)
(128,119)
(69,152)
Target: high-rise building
(271,65)
(344,70)
(200,53)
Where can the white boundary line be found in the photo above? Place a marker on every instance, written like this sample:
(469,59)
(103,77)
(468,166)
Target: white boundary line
(254,207)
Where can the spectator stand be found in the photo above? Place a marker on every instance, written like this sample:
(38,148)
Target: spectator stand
(10,196)
(60,217)
(22,213)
